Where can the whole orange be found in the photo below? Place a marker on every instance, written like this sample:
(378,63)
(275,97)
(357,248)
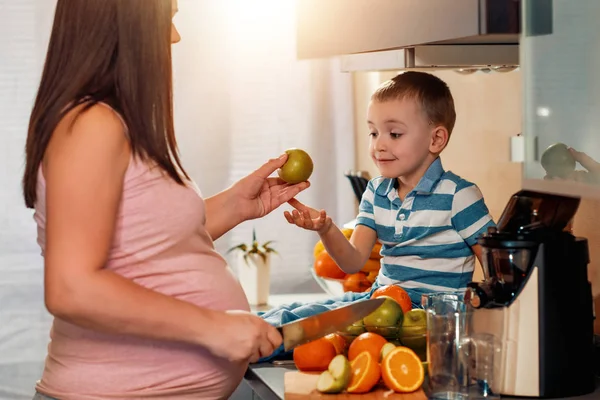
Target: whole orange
(371,265)
(372,276)
(368,341)
(315,355)
(356,282)
(396,293)
(326,267)
(375,252)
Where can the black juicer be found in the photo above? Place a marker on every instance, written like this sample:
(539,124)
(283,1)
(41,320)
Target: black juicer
(536,299)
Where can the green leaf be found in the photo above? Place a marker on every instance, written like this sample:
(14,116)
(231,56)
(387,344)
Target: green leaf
(241,247)
(255,247)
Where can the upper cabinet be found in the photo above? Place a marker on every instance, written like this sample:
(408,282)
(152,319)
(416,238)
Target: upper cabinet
(341,27)
(560,60)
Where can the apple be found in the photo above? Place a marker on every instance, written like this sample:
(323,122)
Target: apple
(356,328)
(414,331)
(415,317)
(558,161)
(385,350)
(298,167)
(337,376)
(386,320)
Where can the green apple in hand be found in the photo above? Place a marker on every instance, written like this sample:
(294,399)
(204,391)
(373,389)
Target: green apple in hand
(298,167)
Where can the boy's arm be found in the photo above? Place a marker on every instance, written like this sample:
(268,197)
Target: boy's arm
(470,215)
(350,255)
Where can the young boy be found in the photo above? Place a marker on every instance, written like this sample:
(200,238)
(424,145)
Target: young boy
(427,219)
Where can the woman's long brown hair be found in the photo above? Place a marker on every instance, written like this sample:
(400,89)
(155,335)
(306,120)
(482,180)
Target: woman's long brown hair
(114,51)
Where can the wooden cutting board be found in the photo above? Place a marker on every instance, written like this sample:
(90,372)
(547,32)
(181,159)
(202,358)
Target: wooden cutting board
(303,386)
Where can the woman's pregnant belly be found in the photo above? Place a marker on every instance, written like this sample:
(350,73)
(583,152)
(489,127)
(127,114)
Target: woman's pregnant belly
(86,365)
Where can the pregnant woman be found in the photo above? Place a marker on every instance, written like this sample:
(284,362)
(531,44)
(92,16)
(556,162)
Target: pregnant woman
(144,306)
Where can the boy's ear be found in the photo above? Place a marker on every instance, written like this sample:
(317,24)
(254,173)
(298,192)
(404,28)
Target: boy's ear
(439,139)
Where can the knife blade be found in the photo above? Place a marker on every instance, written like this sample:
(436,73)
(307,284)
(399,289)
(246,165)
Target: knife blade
(316,326)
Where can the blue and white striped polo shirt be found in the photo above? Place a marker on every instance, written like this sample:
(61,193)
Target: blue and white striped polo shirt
(426,238)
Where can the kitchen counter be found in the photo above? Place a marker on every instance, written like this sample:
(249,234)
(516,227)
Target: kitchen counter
(266,381)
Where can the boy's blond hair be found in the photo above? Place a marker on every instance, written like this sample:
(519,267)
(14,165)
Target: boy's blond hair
(428,90)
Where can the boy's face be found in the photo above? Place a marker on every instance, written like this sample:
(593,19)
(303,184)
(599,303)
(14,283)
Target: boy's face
(401,136)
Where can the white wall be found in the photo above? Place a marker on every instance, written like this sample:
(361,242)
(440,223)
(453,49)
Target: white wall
(24,322)
(241,97)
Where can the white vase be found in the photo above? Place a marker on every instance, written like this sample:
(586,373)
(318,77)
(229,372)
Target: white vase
(254,274)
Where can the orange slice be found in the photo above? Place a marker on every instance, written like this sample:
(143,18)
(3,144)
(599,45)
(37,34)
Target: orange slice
(402,370)
(365,373)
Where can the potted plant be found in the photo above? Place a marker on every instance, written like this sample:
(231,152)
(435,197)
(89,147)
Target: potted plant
(254,269)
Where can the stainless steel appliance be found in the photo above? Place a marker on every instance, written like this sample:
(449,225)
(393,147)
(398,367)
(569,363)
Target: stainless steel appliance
(536,299)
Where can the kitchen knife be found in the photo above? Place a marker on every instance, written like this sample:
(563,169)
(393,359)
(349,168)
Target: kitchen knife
(316,326)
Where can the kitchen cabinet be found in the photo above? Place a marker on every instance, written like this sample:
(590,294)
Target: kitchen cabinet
(560,61)
(336,27)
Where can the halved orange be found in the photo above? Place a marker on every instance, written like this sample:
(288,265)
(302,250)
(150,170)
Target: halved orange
(402,370)
(365,373)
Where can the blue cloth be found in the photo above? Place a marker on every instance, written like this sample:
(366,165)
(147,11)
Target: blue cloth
(426,237)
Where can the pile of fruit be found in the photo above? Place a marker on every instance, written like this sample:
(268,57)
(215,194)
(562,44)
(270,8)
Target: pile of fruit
(395,320)
(369,360)
(388,346)
(325,267)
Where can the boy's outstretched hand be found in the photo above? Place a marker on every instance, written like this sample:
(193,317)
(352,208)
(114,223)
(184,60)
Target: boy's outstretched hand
(307,217)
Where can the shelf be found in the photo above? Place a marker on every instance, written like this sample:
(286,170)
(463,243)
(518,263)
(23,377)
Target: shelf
(565,188)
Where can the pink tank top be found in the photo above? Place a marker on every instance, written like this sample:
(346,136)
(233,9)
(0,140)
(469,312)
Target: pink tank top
(161,243)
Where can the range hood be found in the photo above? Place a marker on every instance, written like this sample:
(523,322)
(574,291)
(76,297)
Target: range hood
(410,34)
(467,58)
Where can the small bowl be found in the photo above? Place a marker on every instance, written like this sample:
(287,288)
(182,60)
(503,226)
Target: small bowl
(333,287)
